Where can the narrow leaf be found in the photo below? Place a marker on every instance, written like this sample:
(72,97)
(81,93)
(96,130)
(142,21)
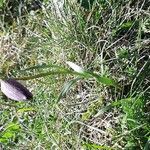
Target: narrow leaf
(26,109)
(147,146)
(104,80)
(67,87)
(43,67)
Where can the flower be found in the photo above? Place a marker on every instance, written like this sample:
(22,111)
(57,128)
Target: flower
(15,90)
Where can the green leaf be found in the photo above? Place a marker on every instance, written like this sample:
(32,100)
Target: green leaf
(92,109)
(92,146)
(1,2)
(87,4)
(86,116)
(67,87)
(147,146)
(9,132)
(126,25)
(8,135)
(3,140)
(13,127)
(104,80)
(44,66)
(26,109)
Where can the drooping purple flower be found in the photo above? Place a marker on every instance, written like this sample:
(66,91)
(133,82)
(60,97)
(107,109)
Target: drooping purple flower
(15,90)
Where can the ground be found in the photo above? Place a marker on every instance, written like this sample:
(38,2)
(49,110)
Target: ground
(106,107)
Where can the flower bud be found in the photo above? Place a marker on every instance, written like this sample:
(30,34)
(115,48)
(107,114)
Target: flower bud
(15,90)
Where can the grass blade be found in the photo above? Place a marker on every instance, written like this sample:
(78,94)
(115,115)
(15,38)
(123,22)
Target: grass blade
(104,80)
(44,66)
(67,87)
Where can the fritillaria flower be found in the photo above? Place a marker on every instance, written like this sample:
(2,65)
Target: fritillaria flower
(15,90)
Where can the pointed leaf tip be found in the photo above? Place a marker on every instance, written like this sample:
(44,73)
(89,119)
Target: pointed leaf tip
(75,67)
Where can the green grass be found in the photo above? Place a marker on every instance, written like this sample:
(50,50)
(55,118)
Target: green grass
(107,106)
